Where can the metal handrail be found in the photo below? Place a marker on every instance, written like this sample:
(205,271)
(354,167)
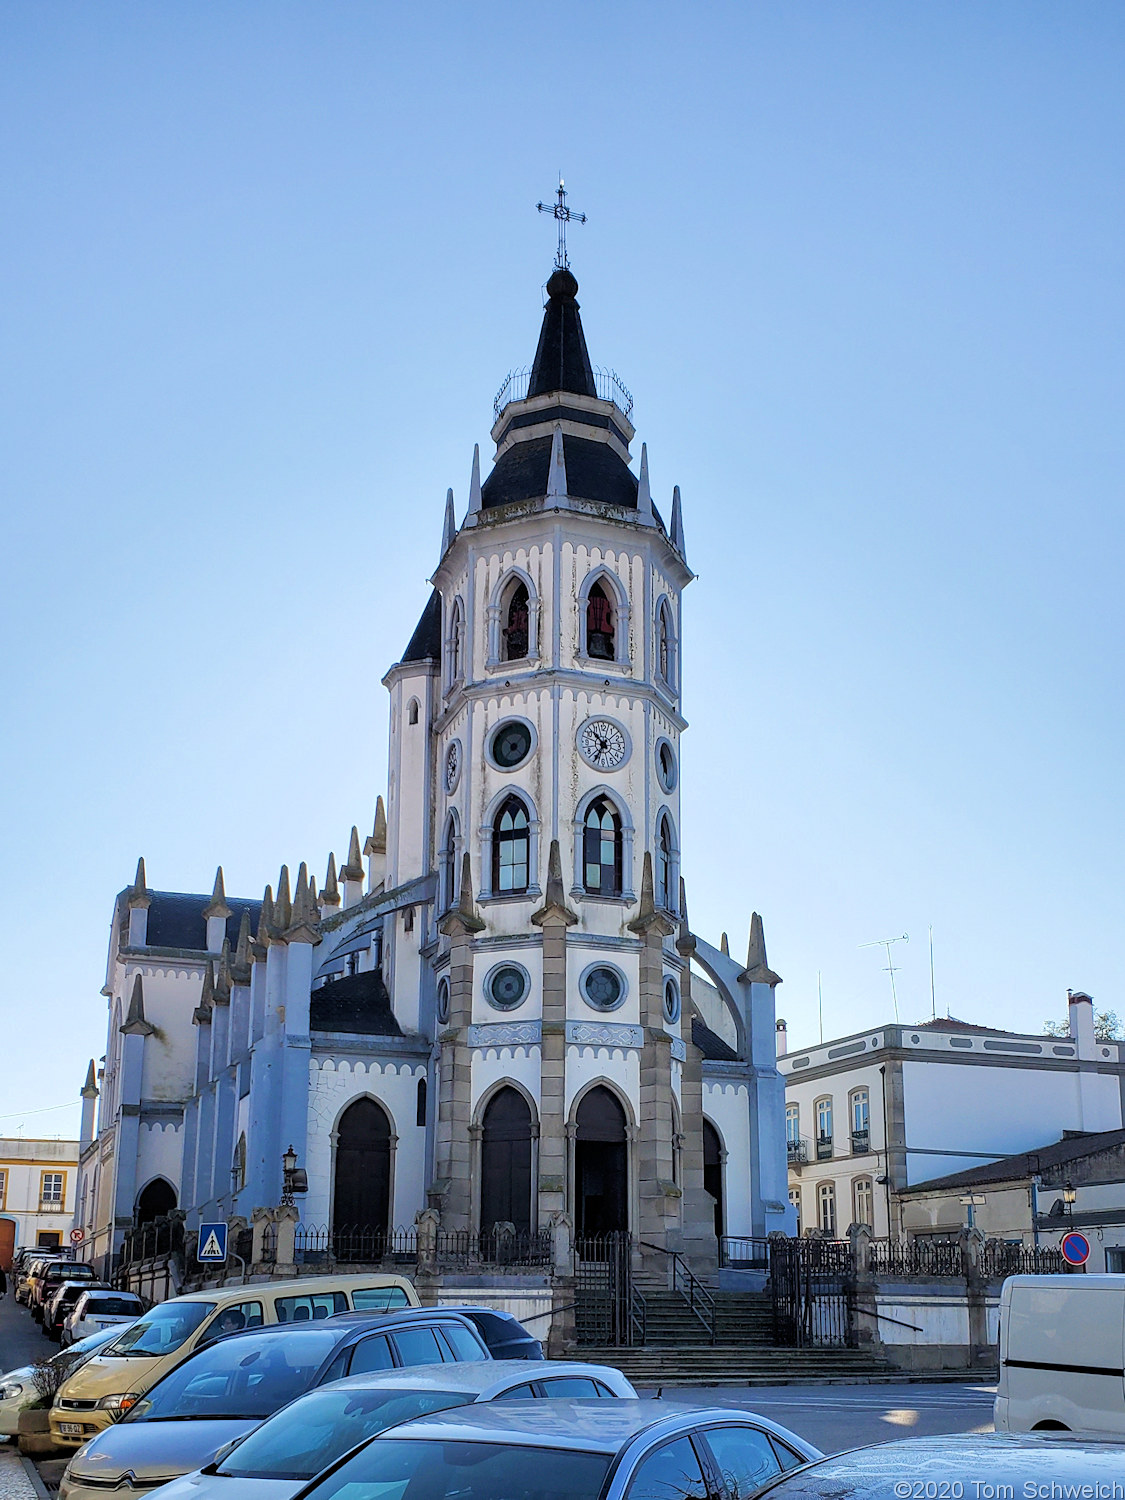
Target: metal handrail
(690,1288)
(607,383)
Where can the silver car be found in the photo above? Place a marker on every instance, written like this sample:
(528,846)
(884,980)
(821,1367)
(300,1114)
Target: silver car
(569,1450)
(277,1459)
(17,1388)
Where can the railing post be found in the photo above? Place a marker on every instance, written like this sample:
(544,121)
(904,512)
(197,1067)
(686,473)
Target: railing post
(862,1301)
(260,1220)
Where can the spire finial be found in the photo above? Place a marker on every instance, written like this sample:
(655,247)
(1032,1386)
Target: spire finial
(283,906)
(677,523)
(562,216)
(330,895)
(724,945)
(90,1087)
(134,1023)
(264,934)
(305,918)
(449,529)
(217,906)
(379,832)
(223,978)
(353,870)
(242,955)
(474,483)
(758,970)
(203,1011)
(138,892)
(644,493)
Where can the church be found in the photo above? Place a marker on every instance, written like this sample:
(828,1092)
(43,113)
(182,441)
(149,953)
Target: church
(496,1006)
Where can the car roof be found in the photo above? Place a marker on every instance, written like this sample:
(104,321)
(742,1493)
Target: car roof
(343,1325)
(1006,1458)
(472,1377)
(399,1314)
(303,1286)
(596,1426)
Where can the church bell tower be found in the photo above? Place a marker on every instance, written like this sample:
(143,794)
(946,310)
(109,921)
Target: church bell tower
(534,800)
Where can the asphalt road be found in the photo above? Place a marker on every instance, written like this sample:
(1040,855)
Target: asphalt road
(835,1417)
(20,1338)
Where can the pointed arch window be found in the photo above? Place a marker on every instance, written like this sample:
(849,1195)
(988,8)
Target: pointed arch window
(515,627)
(511,846)
(665,865)
(600,624)
(447,863)
(601,849)
(455,644)
(666,665)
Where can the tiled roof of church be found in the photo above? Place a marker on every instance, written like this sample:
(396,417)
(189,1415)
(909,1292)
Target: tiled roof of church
(712,1046)
(358,1003)
(594,471)
(425,643)
(561,360)
(176,920)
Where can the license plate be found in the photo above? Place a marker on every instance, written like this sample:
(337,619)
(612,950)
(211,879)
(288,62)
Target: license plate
(71,1429)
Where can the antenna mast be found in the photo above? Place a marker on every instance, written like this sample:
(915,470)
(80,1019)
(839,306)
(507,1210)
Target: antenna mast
(888,943)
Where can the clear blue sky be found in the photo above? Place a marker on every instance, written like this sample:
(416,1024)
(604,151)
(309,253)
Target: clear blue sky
(264,266)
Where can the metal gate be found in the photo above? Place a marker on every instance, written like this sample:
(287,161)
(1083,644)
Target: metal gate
(809,1288)
(608,1308)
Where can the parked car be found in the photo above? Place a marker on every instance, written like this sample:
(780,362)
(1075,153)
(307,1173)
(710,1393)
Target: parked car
(569,1450)
(1062,1349)
(33,1269)
(505,1335)
(17,1389)
(312,1432)
(228,1387)
(97,1309)
(58,1309)
(108,1386)
(47,1284)
(968,1465)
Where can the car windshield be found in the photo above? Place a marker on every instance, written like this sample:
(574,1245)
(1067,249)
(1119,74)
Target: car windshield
(164,1328)
(94,1343)
(435,1470)
(248,1376)
(309,1435)
(111,1307)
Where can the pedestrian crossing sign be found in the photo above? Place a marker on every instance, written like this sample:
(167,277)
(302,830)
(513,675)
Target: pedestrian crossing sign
(212,1242)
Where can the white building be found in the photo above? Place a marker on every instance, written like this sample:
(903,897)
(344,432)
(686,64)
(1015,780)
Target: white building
(871,1114)
(505,1015)
(37,1188)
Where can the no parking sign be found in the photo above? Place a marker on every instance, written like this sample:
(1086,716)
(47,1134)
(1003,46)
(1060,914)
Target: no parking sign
(1075,1249)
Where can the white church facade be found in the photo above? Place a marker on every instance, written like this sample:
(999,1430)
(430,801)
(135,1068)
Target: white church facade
(496,1007)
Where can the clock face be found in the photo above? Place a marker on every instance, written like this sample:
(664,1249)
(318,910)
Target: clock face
(452,765)
(603,744)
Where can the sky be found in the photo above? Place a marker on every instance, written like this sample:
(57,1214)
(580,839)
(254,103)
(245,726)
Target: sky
(264,267)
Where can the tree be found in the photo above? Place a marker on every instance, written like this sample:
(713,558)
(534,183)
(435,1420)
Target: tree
(1107,1027)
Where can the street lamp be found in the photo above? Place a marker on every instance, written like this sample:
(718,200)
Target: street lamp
(1070,1193)
(294,1179)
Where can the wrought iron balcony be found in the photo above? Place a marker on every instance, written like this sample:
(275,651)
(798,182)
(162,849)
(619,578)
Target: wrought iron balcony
(797,1152)
(861,1142)
(824,1148)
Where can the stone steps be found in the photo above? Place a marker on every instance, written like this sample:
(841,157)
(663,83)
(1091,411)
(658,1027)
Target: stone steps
(707,1364)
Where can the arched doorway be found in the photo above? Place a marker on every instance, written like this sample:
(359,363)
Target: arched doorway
(156,1199)
(601,1165)
(361,1204)
(713,1171)
(505,1162)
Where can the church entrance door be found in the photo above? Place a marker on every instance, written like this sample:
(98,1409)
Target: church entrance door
(505,1162)
(601,1171)
(713,1171)
(362,1201)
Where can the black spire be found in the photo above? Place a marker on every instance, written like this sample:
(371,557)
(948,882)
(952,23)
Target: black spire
(561,360)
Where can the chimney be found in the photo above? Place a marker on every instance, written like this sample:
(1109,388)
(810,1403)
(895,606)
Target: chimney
(1081,1012)
(782,1038)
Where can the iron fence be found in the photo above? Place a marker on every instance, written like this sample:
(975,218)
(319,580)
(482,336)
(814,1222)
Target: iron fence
(460,1248)
(740,1252)
(609,1310)
(916,1258)
(607,383)
(163,1236)
(354,1244)
(998,1260)
(808,1290)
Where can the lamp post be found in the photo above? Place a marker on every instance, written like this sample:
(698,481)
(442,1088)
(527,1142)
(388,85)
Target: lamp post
(289,1171)
(1070,1193)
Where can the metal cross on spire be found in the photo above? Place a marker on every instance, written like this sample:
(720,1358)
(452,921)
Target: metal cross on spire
(564,216)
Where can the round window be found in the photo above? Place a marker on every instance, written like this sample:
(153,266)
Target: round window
(511,744)
(506,986)
(666,765)
(602,986)
(671,1000)
(443,1000)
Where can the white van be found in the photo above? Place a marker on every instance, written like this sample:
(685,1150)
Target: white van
(1062,1355)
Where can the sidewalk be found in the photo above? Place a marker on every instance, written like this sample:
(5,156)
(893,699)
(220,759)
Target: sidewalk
(14,1483)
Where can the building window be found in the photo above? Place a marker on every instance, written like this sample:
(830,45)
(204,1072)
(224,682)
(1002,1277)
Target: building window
(823,1129)
(51,1190)
(601,849)
(408,919)
(826,1209)
(455,644)
(507,986)
(600,624)
(447,864)
(238,1168)
(792,1123)
(671,1001)
(795,1200)
(420,1103)
(665,645)
(863,1201)
(514,630)
(511,842)
(603,986)
(860,1106)
(443,1001)
(665,866)
(412,711)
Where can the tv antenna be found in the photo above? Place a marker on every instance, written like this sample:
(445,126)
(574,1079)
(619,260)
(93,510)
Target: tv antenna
(559,211)
(888,944)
